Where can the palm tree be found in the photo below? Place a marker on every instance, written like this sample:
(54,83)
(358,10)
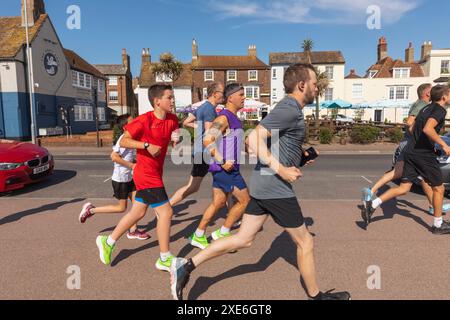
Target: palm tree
(322,85)
(168,66)
(307,46)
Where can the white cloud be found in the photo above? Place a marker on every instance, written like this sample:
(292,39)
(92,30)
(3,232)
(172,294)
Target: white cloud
(312,12)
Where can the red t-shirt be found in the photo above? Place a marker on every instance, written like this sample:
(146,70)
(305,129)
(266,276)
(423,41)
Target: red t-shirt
(148,128)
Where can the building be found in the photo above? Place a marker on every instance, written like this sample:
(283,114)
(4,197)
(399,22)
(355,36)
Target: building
(182,86)
(63,82)
(119,86)
(396,80)
(331,62)
(247,70)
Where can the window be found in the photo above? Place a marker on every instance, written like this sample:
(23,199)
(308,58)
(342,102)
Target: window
(231,75)
(274,93)
(399,93)
(81,77)
(113,81)
(101,86)
(329,94)
(163,78)
(357,91)
(401,73)
(113,96)
(274,73)
(88,81)
(372,73)
(209,75)
(83,113)
(253,75)
(74,78)
(81,80)
(329,71)
(205,93)
(445,67)
(252,92)
(101,114)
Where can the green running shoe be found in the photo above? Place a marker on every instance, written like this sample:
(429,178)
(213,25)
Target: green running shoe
(164,265)
(199,242)
(104,249)
(216,235)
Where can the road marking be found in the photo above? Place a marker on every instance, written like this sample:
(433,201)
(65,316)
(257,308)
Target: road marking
(107,180)
(367,179)
(99,176)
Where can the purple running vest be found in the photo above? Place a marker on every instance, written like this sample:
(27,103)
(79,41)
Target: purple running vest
(230,145)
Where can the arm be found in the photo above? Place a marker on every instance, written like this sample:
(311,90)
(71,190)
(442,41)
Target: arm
(218,128)
(257,144)
(190,122)
(430,131)
(410,122)
(115,157)
(128,142)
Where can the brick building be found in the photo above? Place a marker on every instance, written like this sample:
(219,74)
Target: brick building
(247,70)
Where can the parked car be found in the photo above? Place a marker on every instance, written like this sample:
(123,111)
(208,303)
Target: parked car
(22,164)
(344,119)
(444,162)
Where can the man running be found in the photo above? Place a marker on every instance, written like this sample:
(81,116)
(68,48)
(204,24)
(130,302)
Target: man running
(201,120)
(271,187)
(424,93)
(420,159)
(227,180)
(150,134)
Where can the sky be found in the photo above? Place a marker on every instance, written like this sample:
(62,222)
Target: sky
(228,27)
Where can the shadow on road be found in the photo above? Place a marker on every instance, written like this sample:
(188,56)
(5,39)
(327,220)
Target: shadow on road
(48,207)
(59,176)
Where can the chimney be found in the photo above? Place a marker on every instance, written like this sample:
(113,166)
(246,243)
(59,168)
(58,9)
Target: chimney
(125,59)
(252,51)
(194,50)
(34,9)
(146,55)
(382,48)
(426,50)
(353,72)
(409,54)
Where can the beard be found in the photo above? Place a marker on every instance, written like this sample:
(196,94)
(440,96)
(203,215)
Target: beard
(310,98)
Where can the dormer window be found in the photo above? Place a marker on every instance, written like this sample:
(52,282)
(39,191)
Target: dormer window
(162,77)
(372,73)
(401,73)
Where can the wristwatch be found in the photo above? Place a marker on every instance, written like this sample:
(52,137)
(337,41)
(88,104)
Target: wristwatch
(222,162)
(146,145)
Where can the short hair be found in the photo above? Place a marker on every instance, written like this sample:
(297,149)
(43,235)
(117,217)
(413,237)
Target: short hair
(421,89)
(157,91)
(122,121)
(297,73)
(438,92)
(231,89)
(212,88)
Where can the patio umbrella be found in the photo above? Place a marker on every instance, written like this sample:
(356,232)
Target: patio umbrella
(336,104)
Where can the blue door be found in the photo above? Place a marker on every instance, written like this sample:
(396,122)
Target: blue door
(2,123)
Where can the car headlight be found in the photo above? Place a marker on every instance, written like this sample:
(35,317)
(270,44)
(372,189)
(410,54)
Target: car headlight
(9,166)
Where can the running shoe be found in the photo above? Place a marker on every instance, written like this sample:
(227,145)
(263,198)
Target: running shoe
(330,295)
(104,249)
(138,235)
(86,212)
(444,229)
(367,194)
(367,212)
(164,265)
(179,277)
(216,235)
(199,242)
(445,209)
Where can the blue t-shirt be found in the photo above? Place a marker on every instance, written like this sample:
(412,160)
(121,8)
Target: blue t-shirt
(205,113)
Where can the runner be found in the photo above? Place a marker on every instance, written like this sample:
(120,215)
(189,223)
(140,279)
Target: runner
(150,134)
(424,92)
(420,159)
(122,183)
(227,179)
(271,187)
(201,120)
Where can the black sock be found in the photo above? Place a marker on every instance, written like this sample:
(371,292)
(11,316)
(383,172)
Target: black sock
(190,266)
(319,295)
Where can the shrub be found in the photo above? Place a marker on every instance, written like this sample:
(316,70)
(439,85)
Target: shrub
(364,134)
(395,135)
(325,136)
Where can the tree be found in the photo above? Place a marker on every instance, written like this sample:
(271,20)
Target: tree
(168,66)
(322,85)
(307,46)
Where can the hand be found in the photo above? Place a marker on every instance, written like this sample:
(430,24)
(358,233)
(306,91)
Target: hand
(133,166)
(154,151)
(290,175)
(228,166)
(175,136)
(446,150)
(306,155)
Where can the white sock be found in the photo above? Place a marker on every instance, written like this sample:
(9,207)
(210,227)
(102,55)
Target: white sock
(199,233)
(165,255)
(438,222)
(224,230)
(110,241)
(376,203)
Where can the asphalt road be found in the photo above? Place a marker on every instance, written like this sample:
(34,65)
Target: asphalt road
(42,241)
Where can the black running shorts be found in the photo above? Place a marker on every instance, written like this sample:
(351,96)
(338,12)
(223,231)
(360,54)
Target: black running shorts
(424,167)
(285,212)
(123,190)
(199,170)
(154,198)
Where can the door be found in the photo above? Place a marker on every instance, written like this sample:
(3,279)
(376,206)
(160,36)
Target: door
(378,115)
(2,123)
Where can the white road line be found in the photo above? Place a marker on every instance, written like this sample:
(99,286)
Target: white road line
(99,176)
(107,180)
(367,180)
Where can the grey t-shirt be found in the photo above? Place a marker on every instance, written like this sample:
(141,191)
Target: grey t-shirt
(287,126)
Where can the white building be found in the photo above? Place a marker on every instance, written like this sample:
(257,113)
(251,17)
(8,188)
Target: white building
(182,86)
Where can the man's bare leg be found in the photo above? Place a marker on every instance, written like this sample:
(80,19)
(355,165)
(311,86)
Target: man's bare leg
(392,175)
(238,208)
(192,187)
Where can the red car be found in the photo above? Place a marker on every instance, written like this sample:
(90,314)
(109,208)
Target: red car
(23,163)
